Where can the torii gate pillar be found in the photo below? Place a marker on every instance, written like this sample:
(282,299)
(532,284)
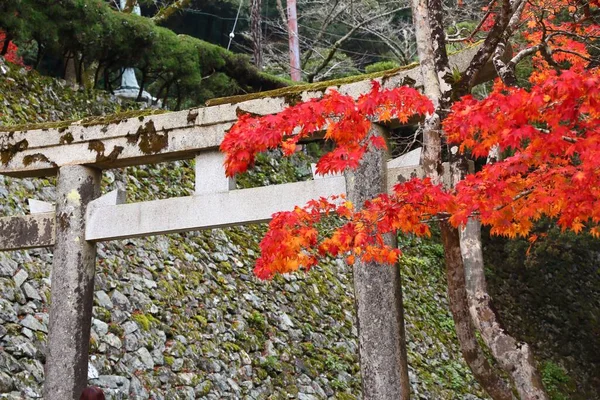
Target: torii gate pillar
(73,271)
(378,296)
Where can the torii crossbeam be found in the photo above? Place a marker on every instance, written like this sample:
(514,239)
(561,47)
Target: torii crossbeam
(78,152)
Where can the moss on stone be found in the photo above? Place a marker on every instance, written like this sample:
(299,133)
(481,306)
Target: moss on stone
(292,93)
(145,321)
(88,121)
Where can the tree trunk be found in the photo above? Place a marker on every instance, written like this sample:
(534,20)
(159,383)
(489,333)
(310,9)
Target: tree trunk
(431,158)
(514,357)
(434,67)
(256,32)
(457,295)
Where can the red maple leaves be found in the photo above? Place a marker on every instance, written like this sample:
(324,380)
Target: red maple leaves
(11,55)
(552,132)
(346,122)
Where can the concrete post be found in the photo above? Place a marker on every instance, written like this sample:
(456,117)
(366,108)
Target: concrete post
(210,174)
(378,293)
(72,285)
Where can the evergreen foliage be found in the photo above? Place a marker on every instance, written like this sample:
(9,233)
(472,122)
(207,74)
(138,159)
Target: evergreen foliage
(103,41)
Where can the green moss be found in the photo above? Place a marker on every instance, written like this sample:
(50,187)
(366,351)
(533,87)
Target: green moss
(231,347)
(145,321)
(292,93)
(205,388)
(88,121)
(257,321)
(556,381)
(116,329)
(169,360)
(261,374)
(201,320)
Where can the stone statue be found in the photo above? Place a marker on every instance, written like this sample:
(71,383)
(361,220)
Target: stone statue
(130,88)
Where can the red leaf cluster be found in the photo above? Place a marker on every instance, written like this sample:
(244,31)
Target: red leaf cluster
(12,53)
(345,121)
(552,133)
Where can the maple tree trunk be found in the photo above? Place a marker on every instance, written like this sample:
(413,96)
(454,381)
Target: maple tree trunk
(514,357)
(378,297)
(493,384)
(434,66)
(431,157)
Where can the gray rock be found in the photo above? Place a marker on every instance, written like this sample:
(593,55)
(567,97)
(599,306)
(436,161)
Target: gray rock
(187,378)
(31,292)
(32,323)
(245,358)
(20,277)
(121,301)
(145,357)
(112,340)
(7,289)
(132,342)
(103,300)
(285,323)
(19,346)
(305,396)
(25,383)
(7,311)
(92,372)
(35,368)
(150,284)
(137,391)
(177,364)
(112,382)
(8,267)
(27,332)
(9,363)
(6,383)
(100,327)
(130,327)
(117,316)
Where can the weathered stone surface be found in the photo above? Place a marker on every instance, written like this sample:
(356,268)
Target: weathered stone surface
(8,267)
(378,292)
(23,232)
(204,212)
(72,286)
(146,357)
(6,383)
(161,137)
(30,322)
(7,311)
(20,277)
(31,292)
(103,300)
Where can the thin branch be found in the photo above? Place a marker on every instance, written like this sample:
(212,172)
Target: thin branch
(341,40)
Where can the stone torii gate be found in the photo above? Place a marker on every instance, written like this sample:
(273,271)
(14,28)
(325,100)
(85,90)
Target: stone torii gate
(77,153)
